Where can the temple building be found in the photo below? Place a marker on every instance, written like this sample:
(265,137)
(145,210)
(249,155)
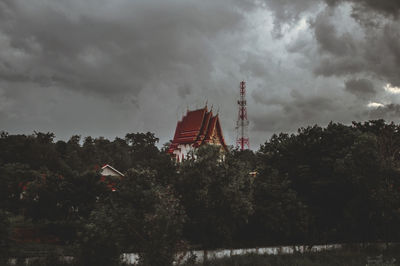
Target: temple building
(196,128)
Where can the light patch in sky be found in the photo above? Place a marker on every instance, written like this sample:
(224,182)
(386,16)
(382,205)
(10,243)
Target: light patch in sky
(302,25)
(374,105)
(391,89)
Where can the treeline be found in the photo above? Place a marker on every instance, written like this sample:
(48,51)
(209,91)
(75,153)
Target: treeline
(334,184)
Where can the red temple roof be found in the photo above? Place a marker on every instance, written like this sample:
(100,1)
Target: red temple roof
(196,128)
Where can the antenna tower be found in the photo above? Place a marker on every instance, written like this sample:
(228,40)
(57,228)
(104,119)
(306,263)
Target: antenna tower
(242,124)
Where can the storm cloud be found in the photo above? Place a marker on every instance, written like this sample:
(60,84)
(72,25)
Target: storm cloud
(391,111)
(106,68)
(360,87)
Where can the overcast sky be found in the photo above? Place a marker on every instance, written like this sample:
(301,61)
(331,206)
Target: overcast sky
(110,67)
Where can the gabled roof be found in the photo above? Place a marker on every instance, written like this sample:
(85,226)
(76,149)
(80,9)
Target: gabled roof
(112,169)
(196,128)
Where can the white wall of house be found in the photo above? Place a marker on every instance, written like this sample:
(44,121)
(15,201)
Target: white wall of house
(108,172)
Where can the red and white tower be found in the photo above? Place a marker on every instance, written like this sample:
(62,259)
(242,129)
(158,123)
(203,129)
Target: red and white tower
(242,124)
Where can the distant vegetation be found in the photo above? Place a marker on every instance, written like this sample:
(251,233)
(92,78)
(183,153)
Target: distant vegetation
(321,185)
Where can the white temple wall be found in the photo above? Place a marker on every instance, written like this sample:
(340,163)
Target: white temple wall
(181,153)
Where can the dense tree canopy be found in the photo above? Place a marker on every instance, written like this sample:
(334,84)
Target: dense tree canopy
(216,193)
(339,183)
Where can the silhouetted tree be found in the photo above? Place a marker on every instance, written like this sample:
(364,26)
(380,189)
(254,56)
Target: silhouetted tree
(216,194)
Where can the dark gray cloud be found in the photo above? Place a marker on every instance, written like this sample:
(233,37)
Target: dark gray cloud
(111,67)
(286,11)
(388,112)
(86,47)
(329,39)
(298,110)
(362,88)
(346,48)
(349,44)
(386,6)
(375,54)
(148,59)
(184,90)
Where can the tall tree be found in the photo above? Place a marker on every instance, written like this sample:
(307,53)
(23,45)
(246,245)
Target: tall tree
(216,194)
(142,216)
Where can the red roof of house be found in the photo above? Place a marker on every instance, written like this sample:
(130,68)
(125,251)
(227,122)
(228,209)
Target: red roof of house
(196,128)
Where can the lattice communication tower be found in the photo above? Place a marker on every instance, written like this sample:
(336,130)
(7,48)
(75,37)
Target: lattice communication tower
(242,124)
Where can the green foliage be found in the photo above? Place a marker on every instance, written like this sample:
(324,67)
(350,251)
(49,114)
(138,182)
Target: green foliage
(14,179)
(99,241)
(333,184)
(4,235)
(153,215)
(280,216)
(141,216)
(216,193)
(56,197)
(338,172)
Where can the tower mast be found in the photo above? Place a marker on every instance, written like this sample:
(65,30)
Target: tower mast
(242,123)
